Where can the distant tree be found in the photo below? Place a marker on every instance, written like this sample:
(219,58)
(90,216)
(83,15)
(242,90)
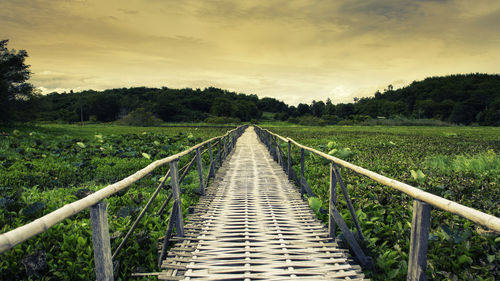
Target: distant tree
(462,114)
(13,76)
(303,109)
(106,107)
(329,107)
(140,117)
(222,107)
(317,108)
(345,110)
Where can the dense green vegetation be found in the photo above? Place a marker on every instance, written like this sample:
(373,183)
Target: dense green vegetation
(43,168)
(457,163)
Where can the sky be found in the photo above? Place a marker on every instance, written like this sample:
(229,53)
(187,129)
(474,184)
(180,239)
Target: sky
(292,50)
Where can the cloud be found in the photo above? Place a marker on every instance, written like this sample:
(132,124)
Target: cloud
(294,50)
(129,12)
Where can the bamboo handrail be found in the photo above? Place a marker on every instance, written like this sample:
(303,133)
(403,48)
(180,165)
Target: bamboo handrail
(471,214)
(23,233)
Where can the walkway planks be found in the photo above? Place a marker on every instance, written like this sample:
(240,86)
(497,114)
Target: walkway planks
(253,225)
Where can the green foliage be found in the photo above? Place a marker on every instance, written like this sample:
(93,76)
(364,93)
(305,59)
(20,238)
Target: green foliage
(222,120)
(170,105)
(43,168)
(418,176)
(140,117)
(314,203)
(404,121)
(484,164)
(458,249)
(13,86)
(308,120)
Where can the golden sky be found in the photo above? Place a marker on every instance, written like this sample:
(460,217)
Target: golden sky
(295,51)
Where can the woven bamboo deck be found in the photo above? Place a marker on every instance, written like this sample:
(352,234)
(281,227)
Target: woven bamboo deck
(253,225)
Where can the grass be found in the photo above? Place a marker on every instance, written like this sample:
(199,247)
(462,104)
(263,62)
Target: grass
(481,164)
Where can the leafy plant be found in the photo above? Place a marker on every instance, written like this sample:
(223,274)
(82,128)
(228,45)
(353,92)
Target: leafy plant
(314,203)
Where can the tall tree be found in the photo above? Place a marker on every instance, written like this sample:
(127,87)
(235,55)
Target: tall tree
(13,75)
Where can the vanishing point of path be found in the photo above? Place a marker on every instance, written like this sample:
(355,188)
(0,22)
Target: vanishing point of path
(254,225)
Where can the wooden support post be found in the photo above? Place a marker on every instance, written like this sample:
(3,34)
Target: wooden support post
(306,188)
(289,160)
(226,147)
(278,148)
(200,171)
(100,239)
(302,162)
(332,201)
(349,202)
(219,153)
(363,259)
(179,220)
(302,171)
(211,172)
(419,241)
(168,234)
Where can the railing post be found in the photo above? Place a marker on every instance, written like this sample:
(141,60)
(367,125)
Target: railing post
(419,241)
(100,239)
(301,171)
(219,153)
(289,160)
(278,153)
(302,162)
(332,201)
(200,171)
(211,170)
(174,181)
(226,145)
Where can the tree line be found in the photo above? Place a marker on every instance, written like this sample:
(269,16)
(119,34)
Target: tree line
(460,99)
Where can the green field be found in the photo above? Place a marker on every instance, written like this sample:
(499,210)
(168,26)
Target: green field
(43,167)
(458,163)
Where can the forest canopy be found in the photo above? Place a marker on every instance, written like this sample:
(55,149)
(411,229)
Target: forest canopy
(458,99)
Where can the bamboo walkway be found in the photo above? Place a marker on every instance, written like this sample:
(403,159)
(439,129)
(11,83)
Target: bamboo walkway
(253,225)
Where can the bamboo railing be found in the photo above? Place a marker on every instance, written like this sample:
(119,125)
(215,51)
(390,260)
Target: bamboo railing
(100,233)
(421,205)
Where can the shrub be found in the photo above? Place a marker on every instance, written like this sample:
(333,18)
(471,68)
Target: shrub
(308,120)
(223,120)
(140,117)
(403,121)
